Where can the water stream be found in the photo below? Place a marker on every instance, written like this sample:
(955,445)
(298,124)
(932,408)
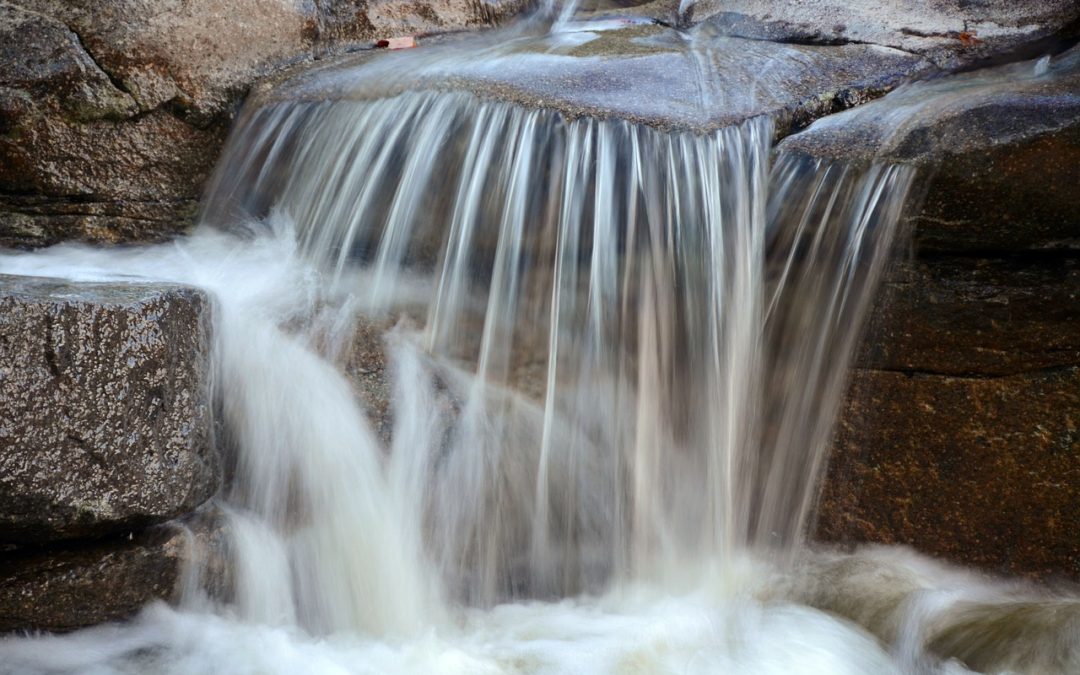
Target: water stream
(613,356)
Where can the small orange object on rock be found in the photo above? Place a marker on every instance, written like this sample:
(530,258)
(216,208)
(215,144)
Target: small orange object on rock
(407,42)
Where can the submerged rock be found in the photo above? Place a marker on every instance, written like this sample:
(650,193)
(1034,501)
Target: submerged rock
(104,393)
(988,625)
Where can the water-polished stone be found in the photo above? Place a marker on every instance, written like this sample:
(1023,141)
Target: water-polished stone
(643,73)
(105,418)
(1000,149)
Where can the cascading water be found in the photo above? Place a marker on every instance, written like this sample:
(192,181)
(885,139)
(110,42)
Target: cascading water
(656,351)
(617,354)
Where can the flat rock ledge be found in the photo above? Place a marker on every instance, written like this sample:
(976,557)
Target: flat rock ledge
(105,420)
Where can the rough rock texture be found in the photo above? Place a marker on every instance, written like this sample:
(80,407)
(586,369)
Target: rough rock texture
(983,471)
(104,411)
(962,316)
(87,583)
(112,112)
(951,33)
(960,433)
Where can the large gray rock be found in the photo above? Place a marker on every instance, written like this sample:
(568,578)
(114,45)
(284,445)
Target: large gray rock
(951,33)
(1001,150)
(104,407)
(112,113)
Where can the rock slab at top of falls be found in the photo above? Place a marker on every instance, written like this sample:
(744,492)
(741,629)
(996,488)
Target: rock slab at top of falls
(105,419)
(642,72)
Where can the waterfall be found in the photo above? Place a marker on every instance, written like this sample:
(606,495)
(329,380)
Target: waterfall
(613,355)
(644,332)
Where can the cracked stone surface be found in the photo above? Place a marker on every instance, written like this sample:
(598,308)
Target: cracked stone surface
(1000,149)
(105,419)
(112,113)
(950,33)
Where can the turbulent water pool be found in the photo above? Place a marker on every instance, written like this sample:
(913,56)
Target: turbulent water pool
(614,355)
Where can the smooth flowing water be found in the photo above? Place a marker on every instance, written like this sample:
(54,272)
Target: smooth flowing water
(613,358)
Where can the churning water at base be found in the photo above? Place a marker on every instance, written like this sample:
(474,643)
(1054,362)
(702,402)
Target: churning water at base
(614,358)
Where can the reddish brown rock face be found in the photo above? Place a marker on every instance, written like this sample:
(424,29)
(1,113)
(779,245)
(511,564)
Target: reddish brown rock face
(960,433)
(978,470)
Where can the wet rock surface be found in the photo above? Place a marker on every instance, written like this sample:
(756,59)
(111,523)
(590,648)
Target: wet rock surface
(112,114)
(951,315)
(1000,150)
(104,407)
(664,79)
(951,33)
(90,582)
(643,73)
(977,470)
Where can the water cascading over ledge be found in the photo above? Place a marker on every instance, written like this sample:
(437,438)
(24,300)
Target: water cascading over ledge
(625,345)
(615,345)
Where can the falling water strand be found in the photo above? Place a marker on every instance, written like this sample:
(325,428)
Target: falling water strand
(645,342)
